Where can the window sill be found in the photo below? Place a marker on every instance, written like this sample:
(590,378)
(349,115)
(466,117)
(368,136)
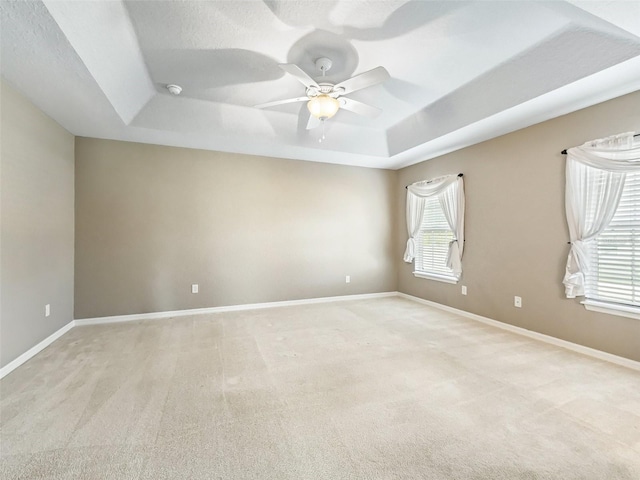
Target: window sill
(439,278)
(612,308)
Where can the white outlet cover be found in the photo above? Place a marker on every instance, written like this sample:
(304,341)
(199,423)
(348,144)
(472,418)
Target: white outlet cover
(47,310)
(194,288)
(517,302)
(347,279)
(464,289)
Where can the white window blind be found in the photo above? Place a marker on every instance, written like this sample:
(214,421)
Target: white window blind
(614,275)
(432,243)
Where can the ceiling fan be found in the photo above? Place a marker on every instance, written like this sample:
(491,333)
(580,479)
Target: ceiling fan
(325,99)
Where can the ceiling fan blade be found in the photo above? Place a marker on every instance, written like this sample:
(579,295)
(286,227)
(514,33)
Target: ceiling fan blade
(364,80)
(313,123)
(359,107)
(281,102)
(299,74)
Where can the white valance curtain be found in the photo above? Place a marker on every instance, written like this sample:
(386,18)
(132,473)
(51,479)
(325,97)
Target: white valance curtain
(450,192)
(595,175)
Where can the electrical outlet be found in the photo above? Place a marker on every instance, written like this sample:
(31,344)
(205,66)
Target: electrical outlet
(464,289)
(194,288)
(517,302)
(347,279)
(47,310)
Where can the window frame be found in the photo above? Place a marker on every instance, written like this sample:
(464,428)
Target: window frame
(426,274)
(621,229)
(612,308)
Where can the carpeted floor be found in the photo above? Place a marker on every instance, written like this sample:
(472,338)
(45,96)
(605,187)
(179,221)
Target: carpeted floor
(377,389)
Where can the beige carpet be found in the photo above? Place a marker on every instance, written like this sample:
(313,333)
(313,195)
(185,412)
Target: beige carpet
(376,389)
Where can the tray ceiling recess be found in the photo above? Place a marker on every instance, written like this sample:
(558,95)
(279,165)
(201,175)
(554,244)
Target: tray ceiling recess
(452,73)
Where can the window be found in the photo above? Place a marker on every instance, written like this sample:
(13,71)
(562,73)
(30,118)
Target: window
(602,202)
(614,275)
(435,224)
(432,243)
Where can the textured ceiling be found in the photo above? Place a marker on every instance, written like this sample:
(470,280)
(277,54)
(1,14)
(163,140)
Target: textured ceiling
(461,72)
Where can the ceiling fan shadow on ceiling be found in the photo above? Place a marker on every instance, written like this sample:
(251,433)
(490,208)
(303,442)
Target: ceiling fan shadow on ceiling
(325,99)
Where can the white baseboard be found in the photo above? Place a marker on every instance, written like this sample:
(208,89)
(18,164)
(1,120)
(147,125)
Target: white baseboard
(11,366)
(33,351)
(625,362)
(229,308)
(592,352)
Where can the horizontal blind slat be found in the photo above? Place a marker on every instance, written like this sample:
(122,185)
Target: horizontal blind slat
(432,243)
(615,254)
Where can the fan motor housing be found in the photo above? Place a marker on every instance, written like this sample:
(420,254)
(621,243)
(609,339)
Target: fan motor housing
(325,89)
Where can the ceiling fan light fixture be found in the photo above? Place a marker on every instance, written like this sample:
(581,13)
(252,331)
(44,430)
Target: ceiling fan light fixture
(323,106)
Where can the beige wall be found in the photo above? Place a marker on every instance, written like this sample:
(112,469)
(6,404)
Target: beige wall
(516,233)
(36,254)
(152,220)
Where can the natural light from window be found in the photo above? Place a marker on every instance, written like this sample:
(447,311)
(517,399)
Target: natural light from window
(615,254)
(432,243)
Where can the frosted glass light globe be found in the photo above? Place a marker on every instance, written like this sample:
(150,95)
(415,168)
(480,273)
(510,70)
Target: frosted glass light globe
(323,106)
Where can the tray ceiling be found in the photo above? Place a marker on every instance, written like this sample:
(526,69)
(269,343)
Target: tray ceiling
(461,72)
